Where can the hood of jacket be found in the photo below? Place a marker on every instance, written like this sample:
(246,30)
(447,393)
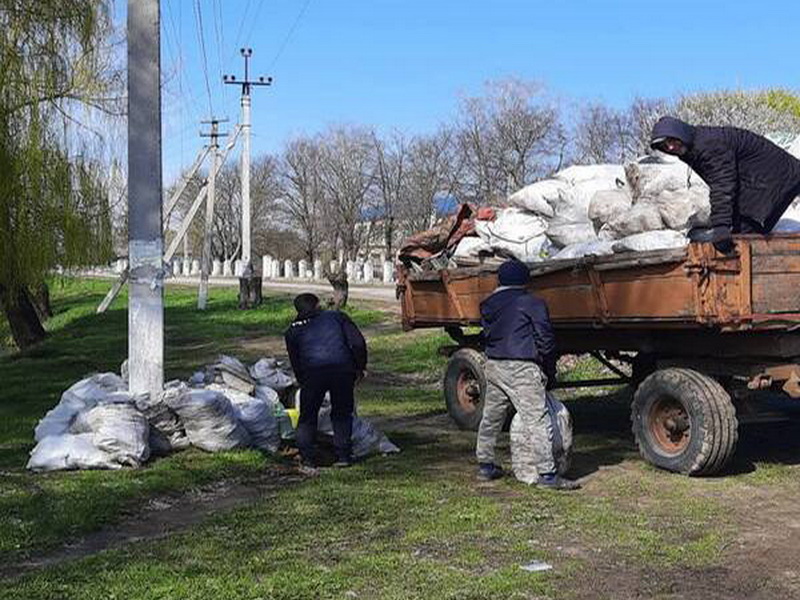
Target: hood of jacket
(670,127)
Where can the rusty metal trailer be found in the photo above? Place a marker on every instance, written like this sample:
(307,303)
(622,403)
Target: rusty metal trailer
(700,330)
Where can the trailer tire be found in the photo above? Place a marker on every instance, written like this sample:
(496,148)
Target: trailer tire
(684,421)
(465,388)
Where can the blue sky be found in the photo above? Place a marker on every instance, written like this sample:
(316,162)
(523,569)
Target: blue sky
(404,63)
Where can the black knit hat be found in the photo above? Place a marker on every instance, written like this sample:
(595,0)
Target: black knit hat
(513,272)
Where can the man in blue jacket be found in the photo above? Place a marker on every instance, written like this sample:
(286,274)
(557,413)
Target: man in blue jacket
(328,355)
(521,360)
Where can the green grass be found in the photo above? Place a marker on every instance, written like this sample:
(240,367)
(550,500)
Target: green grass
(42,510)
(413,525)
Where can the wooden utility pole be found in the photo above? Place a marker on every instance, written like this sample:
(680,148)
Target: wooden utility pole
(145,236)
(205,265)
(249,283)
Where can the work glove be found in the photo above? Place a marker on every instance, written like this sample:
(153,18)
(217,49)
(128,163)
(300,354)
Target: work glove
(722,240)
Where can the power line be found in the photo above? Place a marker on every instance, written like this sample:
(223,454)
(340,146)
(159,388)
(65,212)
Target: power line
(289,35)
(201,37)
(238,36)
(246,40)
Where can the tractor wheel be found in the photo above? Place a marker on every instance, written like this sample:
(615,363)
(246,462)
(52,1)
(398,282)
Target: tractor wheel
(684,421)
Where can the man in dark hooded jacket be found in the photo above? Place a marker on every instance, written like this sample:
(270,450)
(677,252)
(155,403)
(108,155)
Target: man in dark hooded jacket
(752,180)
(328,355)
(521,360)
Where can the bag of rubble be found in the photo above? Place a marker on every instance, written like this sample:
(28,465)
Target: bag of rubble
(68,452)
(166,430)
(640,218)
(109,435)
(585,181)
(607,205)
(209,419)
(596,248)
(540,197)
(270,373)
(523,462)
(257,415)
(118,429)
(83,395)
(651,240)
(366,438)
(232,373)
(567,233)
(520,233)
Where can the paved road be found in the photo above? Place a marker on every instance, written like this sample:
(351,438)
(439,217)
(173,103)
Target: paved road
(364,292)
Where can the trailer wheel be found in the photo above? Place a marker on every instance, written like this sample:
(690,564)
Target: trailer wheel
(465,387)
(684,421)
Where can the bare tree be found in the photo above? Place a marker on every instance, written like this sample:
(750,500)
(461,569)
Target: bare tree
(604,135)
(348,177)
(303,194)
(432,173)
(508,138)
(392,167)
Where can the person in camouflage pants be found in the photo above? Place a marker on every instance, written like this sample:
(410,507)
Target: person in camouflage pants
(521,360)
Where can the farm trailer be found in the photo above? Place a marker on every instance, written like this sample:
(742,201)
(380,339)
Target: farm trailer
(700,331)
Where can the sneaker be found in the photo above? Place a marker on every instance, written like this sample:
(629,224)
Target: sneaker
(489,471)
(556,482)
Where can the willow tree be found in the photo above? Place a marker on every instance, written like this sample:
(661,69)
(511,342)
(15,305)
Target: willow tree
(53,208)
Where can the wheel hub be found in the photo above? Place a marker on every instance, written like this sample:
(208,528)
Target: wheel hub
(468,391)
(669,425)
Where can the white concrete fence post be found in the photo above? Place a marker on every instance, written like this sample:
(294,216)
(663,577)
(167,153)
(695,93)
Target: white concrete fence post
(226,268)
(176,268)
(367,270)
(318,270)
(195,267)
(187,267)
(216,268)
(388,271)
(266,266)
(302,268)
(288,269)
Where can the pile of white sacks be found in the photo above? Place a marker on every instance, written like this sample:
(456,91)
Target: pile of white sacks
(98,424)
(597,210)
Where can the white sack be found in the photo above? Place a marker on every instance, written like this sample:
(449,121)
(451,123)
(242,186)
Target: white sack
(652,240)
(539,197)
(268,372)
(518,232)
(257,417)
(682,209)
(564,234)
(640,218)
(366,439)
(209,420)
(69,451)
(121,431)
(794,149)
(523,462)
(596,248)
(85,394)
(471,247)
(166,429)
(607,204)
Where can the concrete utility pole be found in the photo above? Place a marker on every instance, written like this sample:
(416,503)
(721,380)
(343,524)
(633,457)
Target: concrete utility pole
(249,296)
(145,236)
(205,268)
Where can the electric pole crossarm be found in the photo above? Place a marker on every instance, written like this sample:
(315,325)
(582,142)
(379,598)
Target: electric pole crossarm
(201,156)
(184,227)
